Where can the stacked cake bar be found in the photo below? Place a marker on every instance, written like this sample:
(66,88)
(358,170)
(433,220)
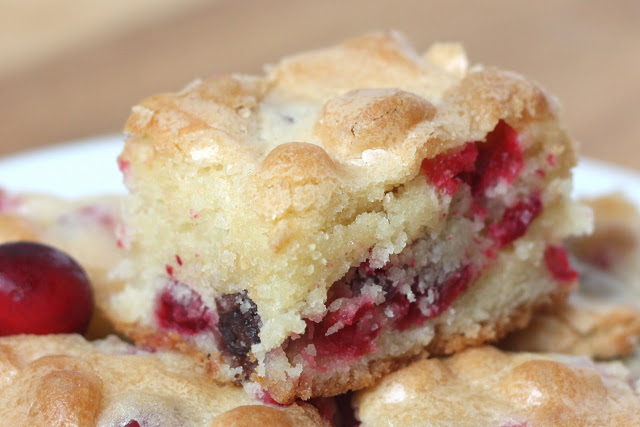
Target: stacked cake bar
(310,229)
(487,387)
(64,380)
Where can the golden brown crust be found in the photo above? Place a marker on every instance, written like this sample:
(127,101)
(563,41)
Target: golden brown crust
(66,396)
(604,332)
(369,119)
(213,106)
(66,380)
(501,94)
(516,320)
(268,416)
(484,386)
(373,107)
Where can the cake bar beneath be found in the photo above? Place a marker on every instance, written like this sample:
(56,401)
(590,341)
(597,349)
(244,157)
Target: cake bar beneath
(310,229)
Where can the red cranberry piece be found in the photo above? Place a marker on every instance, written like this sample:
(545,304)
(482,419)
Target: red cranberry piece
(353,340)
(500,157)
(123,165)
(557,261)
(479,164)
(180,308)
(409,314)
(42,291)
(515,221)
(132,423)
(269,400)
(443,170)
(451,288)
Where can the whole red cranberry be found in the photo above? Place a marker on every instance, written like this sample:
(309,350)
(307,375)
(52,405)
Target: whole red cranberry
(42,291)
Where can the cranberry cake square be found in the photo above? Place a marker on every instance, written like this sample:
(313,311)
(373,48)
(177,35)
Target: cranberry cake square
(487,387)
(307,230)
(64,380)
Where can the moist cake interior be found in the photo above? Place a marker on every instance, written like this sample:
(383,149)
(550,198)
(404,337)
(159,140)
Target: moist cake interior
(493,196)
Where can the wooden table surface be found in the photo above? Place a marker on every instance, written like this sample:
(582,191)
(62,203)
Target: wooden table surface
(72,69)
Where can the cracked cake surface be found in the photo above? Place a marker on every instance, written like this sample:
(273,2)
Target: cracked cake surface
(66,380)
(314,227)
(486,386)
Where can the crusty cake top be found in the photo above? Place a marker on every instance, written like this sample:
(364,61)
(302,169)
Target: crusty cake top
(277,184)
(485,386)
(367,110)
(66,380)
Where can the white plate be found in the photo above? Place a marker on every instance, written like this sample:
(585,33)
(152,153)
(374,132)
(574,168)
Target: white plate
(75,169)
(88,167)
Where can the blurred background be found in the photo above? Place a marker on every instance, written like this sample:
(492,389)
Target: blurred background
(71,69)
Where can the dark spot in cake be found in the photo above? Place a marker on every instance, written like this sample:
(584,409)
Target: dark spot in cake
(288,119)
(132,423)
(364,274)
(178,260)
(246,363)
(238,322)
(169,270)
(327,408)
(345,414)
(180,308)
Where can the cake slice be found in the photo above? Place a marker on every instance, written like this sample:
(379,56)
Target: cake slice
(487,387)
(602,318)
(65,380)
(310,229)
